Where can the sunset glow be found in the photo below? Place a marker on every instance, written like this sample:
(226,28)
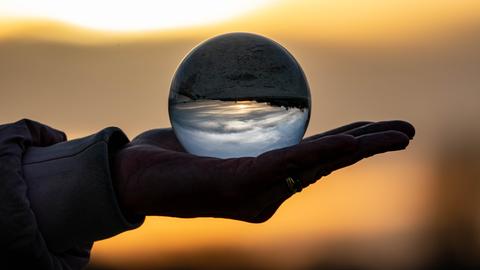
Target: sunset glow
(367,21)
(130,15)
(81,66)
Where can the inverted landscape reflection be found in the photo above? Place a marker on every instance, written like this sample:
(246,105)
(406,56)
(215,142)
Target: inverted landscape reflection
(228,129)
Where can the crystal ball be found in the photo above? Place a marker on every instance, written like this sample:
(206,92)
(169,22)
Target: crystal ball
(237,95)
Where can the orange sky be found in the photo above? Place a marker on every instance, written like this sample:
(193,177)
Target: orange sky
(334,21)
(54,71)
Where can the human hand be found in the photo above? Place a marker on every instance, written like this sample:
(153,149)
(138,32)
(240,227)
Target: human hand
(155,176)
(21,242)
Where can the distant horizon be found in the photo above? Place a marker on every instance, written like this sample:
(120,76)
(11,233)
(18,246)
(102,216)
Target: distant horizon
(287,102)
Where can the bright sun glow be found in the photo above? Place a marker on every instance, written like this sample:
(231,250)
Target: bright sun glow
(139,15)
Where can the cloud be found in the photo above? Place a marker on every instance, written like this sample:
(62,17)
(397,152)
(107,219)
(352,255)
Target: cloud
(229,129)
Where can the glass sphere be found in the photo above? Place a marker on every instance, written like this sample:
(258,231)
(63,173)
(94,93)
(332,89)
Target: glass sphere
(237,95)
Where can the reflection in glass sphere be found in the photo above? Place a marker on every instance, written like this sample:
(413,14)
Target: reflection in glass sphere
(238,95)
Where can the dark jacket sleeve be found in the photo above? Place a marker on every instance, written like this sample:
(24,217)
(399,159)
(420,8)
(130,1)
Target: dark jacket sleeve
(22,245)
(72,193)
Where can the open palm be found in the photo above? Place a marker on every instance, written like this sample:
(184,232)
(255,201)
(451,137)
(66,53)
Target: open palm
(156,176)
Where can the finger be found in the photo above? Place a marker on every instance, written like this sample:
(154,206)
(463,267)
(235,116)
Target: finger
(336,131)
(368,145)
(155,135)
(42,135)
(396,125)
(280,162)
(380,142)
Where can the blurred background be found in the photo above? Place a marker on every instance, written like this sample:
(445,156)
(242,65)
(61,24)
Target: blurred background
(81,66)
